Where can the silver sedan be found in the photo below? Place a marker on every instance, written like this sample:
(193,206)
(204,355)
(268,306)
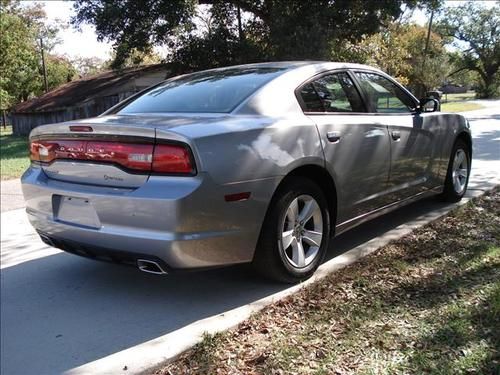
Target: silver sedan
(259,163)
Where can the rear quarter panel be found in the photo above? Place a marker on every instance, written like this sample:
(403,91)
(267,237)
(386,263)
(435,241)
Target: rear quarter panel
(243,148)
(448,127)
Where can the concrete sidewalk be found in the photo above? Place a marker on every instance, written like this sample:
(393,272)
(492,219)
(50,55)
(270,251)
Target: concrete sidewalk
(11,195)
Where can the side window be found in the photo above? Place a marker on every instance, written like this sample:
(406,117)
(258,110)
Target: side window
(383,95)
(332,93)
(311,99)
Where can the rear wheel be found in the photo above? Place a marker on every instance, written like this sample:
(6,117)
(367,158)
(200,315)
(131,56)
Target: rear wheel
(457,176)
(295,233)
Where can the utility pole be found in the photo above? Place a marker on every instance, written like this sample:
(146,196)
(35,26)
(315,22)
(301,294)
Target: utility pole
(44,67)
(428,39)
(427,43)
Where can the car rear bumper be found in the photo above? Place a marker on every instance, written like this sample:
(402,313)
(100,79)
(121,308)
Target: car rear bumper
(183,222)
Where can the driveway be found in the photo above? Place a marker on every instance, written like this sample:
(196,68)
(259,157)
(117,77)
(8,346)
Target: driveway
(61,313)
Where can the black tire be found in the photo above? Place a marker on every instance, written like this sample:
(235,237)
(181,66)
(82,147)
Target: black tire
(270,259)
(450,193)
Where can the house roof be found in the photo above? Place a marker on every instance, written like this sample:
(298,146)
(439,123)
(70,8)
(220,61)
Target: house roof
(83,89)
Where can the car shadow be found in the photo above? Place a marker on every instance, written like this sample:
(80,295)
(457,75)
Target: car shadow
(61,311)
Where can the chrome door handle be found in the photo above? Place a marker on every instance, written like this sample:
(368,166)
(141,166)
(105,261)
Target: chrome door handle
(333,137)
(396,135)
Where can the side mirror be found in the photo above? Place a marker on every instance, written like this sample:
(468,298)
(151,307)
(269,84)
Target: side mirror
(429,105)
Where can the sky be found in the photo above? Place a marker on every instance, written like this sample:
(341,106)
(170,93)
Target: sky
(84,43)
(75,43)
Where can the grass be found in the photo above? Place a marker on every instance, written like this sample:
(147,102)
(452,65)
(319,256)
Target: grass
(459,102)
(14,158)
(449,98)
(460,107)
(426,303)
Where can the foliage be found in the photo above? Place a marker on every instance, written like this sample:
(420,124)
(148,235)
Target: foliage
(427,303)
(399,50)
(123,57)
(459,76)
(265,30)
(87,66)
(18,59)
(21,27)
(478,28)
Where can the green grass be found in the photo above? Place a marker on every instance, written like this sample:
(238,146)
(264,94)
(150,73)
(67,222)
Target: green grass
(14,158)
(428,303)
(459,102)
(459,107)
(449,98)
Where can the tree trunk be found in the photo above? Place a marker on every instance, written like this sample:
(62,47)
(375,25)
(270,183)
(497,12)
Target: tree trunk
(489,87)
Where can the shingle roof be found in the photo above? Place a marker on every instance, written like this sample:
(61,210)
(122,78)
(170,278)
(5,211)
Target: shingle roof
(83,89)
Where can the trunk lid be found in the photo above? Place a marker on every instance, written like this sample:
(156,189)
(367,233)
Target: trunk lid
(92,141)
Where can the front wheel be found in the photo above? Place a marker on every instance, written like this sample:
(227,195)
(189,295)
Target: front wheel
(295,233)
(457,176)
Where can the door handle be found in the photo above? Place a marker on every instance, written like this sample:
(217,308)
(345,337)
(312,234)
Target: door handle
(396,135)
(333,137)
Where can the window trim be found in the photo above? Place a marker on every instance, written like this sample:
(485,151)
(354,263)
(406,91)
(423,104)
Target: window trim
(319,75)
(372,111)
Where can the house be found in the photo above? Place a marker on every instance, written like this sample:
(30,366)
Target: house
(451,88)
(85,97)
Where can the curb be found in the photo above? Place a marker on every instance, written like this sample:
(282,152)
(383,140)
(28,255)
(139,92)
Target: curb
(153,354)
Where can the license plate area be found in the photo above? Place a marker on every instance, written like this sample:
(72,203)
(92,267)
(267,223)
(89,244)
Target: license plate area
(75,211)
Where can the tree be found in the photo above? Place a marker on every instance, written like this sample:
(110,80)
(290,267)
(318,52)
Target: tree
(18,59)
(87,66)
(398,49)
(21,27)
(476,33)
(59,70)
(274,29)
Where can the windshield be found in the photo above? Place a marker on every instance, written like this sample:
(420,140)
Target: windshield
(212,91)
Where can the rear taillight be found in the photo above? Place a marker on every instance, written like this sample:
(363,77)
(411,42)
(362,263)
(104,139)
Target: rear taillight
(159,158)
(172,159)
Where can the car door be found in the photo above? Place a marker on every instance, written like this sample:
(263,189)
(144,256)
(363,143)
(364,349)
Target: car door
(356,149)
(412,136)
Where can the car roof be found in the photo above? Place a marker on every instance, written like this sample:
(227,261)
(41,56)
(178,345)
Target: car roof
(289,65)
(277,97)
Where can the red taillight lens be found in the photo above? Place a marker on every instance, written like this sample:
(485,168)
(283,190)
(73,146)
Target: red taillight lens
(162,158)
(128,155)
(172,159)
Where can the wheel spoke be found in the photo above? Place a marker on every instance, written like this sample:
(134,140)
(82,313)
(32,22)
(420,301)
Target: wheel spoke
(298,255)
(313,238)
(459,158)
(456,184)
(309,209)
(462,172)
(293,211)
(287,238)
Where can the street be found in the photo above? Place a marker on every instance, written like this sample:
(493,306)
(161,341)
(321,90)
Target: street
(62,313)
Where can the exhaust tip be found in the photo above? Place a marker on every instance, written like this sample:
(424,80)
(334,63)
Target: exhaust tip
(47,240)
(150,266)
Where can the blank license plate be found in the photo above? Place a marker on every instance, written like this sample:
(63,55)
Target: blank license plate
(78,211)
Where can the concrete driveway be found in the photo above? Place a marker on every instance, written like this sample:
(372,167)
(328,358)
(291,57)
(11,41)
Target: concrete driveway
(61,313)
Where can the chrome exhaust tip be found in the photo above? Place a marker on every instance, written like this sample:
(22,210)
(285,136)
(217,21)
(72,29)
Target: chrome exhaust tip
(150,266)
(47,240)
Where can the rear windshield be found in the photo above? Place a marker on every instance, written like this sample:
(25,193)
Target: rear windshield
(212,92)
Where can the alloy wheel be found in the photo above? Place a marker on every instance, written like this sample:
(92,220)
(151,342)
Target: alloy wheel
(460,171)
(302,231)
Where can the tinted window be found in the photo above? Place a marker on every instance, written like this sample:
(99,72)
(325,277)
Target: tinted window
(311,99)
(219,91)
(384,96)
(332,93)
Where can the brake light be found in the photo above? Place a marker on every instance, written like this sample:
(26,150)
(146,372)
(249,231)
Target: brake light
(128,155)
(172,159)
(160,158)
